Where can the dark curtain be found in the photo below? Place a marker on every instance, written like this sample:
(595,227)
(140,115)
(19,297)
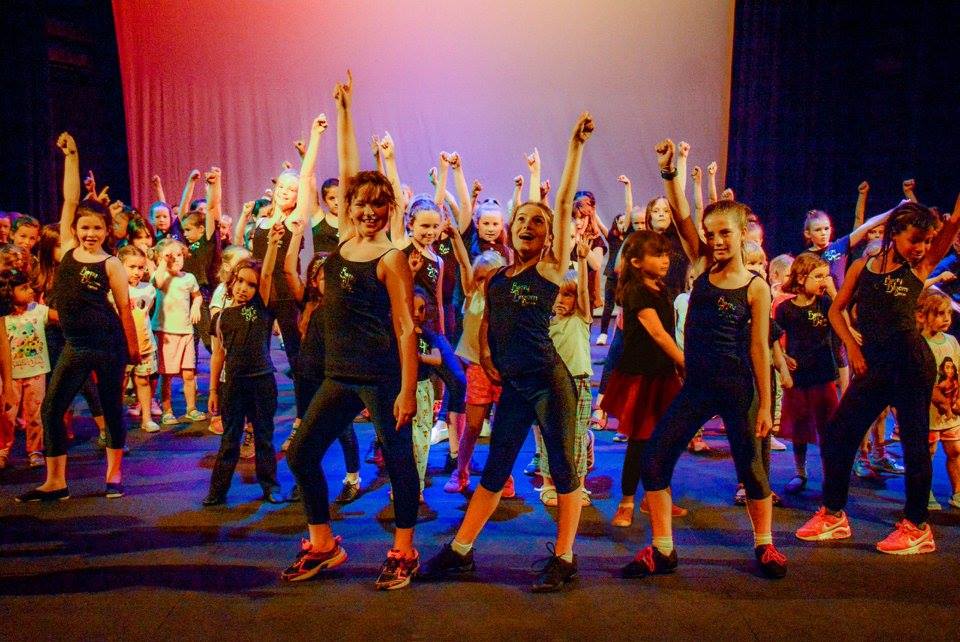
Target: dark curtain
(827,94)
(60,72)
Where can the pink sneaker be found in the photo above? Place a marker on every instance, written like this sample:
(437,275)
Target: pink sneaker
(908,539)
(457,484)
(509,490)
(824,526)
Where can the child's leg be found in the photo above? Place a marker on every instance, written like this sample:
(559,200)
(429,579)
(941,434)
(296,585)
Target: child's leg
(72,369)
(454,380)
(9,422)
(261,396)
(33,390)
(800,458)
(190,388)
(144,395)
(166,399)
(110,368)
(422,423)
(912,392)
(233,411)
(544,460)
(630,476)
(952,450)
(468,439)
(351,451)
(582,444)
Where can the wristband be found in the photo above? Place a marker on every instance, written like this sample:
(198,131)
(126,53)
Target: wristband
(668,174)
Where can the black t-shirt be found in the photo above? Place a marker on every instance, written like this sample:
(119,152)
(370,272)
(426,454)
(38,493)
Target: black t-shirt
(203,261)
(810,340)
(245,333)
(615,241)
(426,342)
(281,290)
(312,357)
(326,237)
(641,354)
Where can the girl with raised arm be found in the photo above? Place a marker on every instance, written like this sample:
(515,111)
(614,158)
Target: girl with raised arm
(516,351)
(371,361)
(893,367)
(94,334)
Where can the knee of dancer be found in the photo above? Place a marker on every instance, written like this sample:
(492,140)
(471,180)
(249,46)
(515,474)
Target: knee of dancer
(757,486)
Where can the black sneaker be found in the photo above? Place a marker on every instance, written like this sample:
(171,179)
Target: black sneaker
(556,574)
(214,500)
(308,562)
(273,495)
(397,571)
(348,493)
(773,563)
(650,561)
(446,561)
(114,491)
(533,468)
(451,464)
(37,495)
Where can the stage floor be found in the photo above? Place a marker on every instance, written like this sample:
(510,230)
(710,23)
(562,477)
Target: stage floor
(154,565)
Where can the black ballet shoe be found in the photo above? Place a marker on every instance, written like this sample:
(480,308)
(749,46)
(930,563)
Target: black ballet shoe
(37,495)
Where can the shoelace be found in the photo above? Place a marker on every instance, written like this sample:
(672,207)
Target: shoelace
(771,554)
(542,564)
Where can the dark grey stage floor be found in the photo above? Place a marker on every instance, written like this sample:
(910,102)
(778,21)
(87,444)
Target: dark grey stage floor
(155,566)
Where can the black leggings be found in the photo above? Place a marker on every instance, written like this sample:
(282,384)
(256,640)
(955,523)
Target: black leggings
(630,477)
(335,405)
(287,314)
(71,372)
(609,301)
(242,398)
(454,379)
(306,389)
(549,397)
(55,345)
(900,374)
(729,393)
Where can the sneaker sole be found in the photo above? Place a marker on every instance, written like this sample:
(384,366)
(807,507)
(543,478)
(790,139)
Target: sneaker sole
(927,546)
(397,585)
(567,581)
(333,562)
(34,501)
(837,533)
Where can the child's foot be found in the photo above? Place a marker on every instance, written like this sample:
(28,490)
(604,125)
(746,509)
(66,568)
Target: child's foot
(286,442)
(397,571)
(548,496)
(740,497)
(908,539)
(955,500)
(886,464)
(450,464)
(114,490)
(509,489)
(861,467)
(439,432)
(102,440)
(310,562)
(169,419)
(349,492)
(247,449)
(585,497)
(533,468)
(824,525)
(795,485)
(36,460)
(620,438)
(446,561)
(195,415)
(37,495)
(134,410)
(932,503)
(457,484)
(773,563)
(150,426)
(602,339)
(623,517)
(155,409)
(214,500)
(216,425)
(650,561)
(776,444)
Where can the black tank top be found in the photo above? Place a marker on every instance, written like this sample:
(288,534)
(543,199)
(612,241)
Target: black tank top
(358,330)
(325,237)
(519,322)
(261,237)
(450,270)
(310,361)
(717,330)
(887,303)
(86,316)
(427,278)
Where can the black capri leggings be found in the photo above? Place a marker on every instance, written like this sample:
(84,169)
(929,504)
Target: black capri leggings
(454,379)
(609,301)
(306,389)
(71,372)
(729,393)
(335,405)
(900,374)
(287,313)
(549,397)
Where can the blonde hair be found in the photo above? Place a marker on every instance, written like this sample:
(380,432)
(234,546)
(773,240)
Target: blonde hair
(569,284)
(489,259)
(172,242)
(753,253)
(232,254)
(780,266)
(931,300)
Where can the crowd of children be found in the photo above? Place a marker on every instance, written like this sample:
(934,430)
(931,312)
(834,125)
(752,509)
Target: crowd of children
(388,302)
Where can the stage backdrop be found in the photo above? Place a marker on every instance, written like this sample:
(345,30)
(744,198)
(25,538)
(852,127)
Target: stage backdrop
(235,82)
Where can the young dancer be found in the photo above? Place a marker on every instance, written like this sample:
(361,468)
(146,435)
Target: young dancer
(241,352)
(428,356)
(203,245)
(371,361)
(516,352)
(177,309)
(894,367)
(25,321)
(727,360)
(934,316)
(142,298)
(809,345)
(94,334)
(644,380)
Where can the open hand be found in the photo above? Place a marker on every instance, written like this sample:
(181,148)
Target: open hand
(415,260)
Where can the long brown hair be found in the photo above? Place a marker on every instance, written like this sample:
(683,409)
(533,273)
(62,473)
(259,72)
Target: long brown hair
(638,245)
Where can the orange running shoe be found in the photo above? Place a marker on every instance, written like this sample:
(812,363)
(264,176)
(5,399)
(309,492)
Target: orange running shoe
(908,539)
(824,526)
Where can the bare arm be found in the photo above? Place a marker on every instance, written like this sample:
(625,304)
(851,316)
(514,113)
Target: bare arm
(241,224)
(307,191)
(463,260)
(836,314)
(689,238)
(187,194)
(583,283)
(71,190)
(627,198)
(533,163)
(712,185)
(758,296)
(269,261)
(6,369)
(348,155)
(862,190)
(683,151)
(697,216)
(214,200)
(465,214)
(157,188)
(651,323)
(860,233)
(486,357)
(909,186)
(117,276)
(942,242)
(517,189)
(398,232)
(394,272)
(563,211)
(217,357)
(431,359)
(375,148)
(290,265)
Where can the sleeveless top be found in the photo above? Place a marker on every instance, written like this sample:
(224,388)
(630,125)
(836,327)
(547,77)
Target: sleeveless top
(311,359)
(325,237)
(717,329)
(519,322)
(427,278)
(451,272)
(886,304)
(358,328)
(261,237)
(87,318)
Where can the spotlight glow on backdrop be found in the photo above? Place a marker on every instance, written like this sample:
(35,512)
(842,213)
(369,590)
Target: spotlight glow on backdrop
(235,82)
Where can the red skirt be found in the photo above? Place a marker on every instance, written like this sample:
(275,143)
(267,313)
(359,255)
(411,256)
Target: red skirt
(638,401)
(805,412)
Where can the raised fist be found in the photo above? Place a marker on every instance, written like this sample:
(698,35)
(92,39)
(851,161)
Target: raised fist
(584,127)
(66,144)
(623,179)
(697,173)
(665,150)
(319,125)
(712,168)
(863,187)
(683,149)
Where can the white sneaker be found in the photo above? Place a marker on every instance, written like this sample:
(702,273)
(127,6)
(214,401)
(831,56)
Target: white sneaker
(776,444)
(439,432)
(602,339)
(150,426)
(485,430)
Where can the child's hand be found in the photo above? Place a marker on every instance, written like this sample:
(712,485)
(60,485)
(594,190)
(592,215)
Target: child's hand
(213,401)
(696,174)
(908,186)
(947,276)
(319,125)
(116,208)
(295,227)
(712,168)
(90,184)
(415,260)
(727,195)
(286,165)
(212,177)
(533,160)
(343,92)
(247,209)
(786,380)
(623,179)
(300,146)
(155,181)
(454,160)
(856,336)
(583,247)
(432,176)
(518,180)
(544,189)
(276,233)
(791,362)
(584,128)
(683,149)
(491,371)
(404,408)
(857,362)
(375,145)
(863,187)
(477,188)
(665,150)
(194,175)
(387,149)
(66,144)
(764,423)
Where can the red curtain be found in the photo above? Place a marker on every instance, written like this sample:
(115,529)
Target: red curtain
(235,82)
